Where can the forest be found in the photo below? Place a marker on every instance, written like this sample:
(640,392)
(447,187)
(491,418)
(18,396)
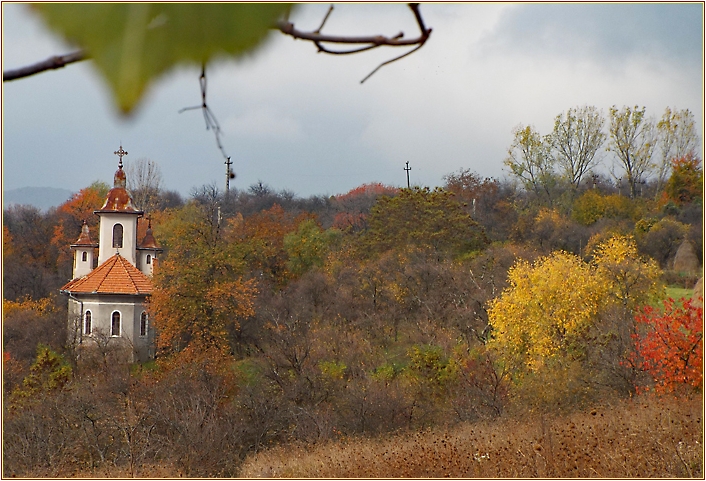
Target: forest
(534,325)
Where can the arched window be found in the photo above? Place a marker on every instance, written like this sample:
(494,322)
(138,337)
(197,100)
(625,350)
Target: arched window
(143,324)
(87,323)
(84,256)
(118,236)
(149,259)
(115,324)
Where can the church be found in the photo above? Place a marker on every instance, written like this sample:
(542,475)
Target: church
(108,303)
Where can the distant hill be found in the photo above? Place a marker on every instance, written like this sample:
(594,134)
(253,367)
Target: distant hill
(42,198)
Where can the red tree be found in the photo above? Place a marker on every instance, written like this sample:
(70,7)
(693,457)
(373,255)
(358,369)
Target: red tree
(671,348)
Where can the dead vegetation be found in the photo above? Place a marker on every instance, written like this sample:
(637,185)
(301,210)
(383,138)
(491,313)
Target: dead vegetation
(640,437)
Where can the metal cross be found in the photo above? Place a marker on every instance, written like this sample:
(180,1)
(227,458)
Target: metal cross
(120,154)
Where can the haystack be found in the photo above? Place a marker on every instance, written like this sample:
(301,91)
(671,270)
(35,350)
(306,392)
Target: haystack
(685,260)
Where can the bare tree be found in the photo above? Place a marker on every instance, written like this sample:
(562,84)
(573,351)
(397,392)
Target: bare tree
(576,138)
(144,181)
(529,160)
(677,138)
(632,138)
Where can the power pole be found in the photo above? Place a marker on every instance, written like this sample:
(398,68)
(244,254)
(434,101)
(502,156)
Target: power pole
(408,168)
(229,174)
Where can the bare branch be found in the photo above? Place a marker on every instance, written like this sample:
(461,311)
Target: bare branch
(58,61)
(370,42)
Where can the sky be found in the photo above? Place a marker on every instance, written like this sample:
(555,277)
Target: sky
(300,120)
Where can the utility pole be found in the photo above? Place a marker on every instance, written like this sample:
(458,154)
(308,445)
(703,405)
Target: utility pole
(229,174)
(408,168)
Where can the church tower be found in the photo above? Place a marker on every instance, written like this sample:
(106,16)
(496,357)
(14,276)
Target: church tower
(110,301)
(118,219)
(147,252)
(83,252)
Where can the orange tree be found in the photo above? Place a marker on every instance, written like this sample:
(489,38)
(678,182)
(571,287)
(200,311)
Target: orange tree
(671,347)
(200,296)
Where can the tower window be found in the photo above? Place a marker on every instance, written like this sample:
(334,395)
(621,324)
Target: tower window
(87,323)
(143,324)
(149,259)
(118,236)
(115,324)
(84,256)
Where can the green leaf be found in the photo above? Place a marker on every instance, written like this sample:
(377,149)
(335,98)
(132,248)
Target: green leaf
(132,44)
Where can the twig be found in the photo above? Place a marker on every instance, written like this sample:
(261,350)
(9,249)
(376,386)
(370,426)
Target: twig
(330,9)
(390,61)
(52,63)
(370,42)
(209,117)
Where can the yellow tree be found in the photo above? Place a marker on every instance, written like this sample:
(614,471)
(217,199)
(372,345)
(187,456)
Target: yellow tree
(545,309)
(632,280)
(540,326)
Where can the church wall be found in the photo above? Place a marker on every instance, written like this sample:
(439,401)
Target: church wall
(130,308)
(81,267)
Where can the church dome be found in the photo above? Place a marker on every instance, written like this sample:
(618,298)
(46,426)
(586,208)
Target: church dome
(84,240)
(148,242)
(119,199)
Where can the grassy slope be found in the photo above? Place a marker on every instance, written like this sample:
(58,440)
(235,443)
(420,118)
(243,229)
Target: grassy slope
(641,437)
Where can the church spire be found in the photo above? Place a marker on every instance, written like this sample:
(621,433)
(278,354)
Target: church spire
(119,180)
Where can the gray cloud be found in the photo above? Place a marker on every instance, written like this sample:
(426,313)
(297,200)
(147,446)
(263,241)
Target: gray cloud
(617,31)
(301,121)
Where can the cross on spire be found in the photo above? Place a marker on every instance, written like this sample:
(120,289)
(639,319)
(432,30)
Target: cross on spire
(120,153)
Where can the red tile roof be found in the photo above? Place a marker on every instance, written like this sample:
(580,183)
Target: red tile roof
(115,276)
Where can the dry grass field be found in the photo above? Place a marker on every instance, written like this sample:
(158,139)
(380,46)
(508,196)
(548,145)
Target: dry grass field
(641,437)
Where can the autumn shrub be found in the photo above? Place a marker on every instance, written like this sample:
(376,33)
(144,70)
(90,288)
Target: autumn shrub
(592,206)
(670,346)
(661,239)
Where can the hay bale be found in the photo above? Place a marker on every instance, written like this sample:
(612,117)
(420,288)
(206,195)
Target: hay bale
(685,259)
(699,288)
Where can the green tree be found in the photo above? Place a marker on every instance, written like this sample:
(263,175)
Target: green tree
(49,372)
(424,218)
(632,139)
(576,138)
(308,246)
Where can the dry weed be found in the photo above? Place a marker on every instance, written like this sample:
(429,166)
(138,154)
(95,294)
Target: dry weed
(642,437)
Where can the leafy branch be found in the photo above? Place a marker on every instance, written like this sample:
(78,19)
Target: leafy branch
(286,27)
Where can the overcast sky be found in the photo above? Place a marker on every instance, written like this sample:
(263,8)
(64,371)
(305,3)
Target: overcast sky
(301,121)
